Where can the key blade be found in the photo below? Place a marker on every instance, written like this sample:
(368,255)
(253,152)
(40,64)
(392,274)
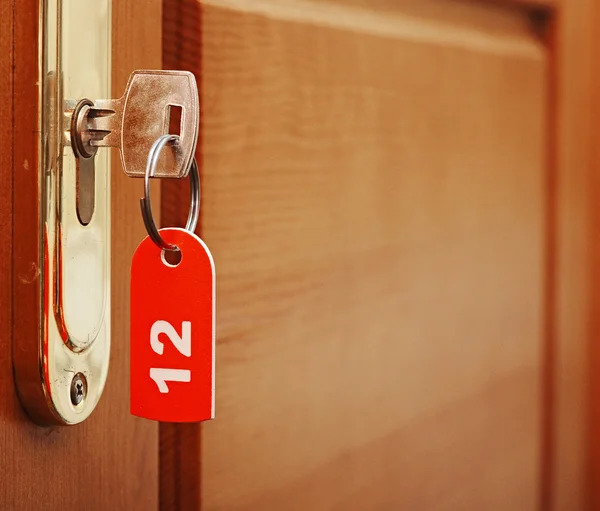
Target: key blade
(146,105)
(104,123)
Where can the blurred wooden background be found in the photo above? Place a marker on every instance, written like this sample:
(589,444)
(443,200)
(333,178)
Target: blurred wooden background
(400,197)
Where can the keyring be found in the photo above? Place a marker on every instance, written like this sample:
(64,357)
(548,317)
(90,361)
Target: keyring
(146,204)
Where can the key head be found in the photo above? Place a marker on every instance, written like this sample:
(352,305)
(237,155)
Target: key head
(152,102)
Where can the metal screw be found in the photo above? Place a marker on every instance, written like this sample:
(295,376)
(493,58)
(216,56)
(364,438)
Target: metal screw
(78,389)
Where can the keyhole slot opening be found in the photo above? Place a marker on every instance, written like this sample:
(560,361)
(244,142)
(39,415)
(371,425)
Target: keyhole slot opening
(85,178)
(85,190)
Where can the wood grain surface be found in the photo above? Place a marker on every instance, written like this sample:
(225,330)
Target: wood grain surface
(581,95)
(110,461)
(592,129)
(569,466)
(571,315)
(180,478)
(548,5)
(7,405)
(374,195)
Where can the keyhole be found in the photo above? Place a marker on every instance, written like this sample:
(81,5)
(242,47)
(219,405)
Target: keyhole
(86,189)
(85,168)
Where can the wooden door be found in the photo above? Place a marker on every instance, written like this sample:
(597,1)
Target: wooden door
(399,197)
(396,194)
(378,229)
(111,460)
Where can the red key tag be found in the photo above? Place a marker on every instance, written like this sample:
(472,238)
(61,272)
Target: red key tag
(173,331)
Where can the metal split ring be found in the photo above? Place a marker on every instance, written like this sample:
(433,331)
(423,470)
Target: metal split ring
(146,204)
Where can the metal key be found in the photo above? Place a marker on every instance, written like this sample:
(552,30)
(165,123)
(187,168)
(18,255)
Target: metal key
(134,122)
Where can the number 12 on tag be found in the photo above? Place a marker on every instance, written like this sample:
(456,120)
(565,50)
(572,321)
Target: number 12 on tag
(173,331)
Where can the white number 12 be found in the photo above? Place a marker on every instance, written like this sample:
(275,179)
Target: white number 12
(183,344)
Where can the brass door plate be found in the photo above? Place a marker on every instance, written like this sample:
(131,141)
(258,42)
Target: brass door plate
(60,375)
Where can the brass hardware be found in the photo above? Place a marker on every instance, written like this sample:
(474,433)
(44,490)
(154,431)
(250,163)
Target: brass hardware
(61,374)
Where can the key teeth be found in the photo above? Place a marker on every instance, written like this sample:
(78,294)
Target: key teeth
(100,120)
(100,112)
(97,136)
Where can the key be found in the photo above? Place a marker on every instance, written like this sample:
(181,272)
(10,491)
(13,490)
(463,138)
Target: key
(132,123)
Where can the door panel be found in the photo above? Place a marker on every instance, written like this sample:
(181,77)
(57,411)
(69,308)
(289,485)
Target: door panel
(374,196)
